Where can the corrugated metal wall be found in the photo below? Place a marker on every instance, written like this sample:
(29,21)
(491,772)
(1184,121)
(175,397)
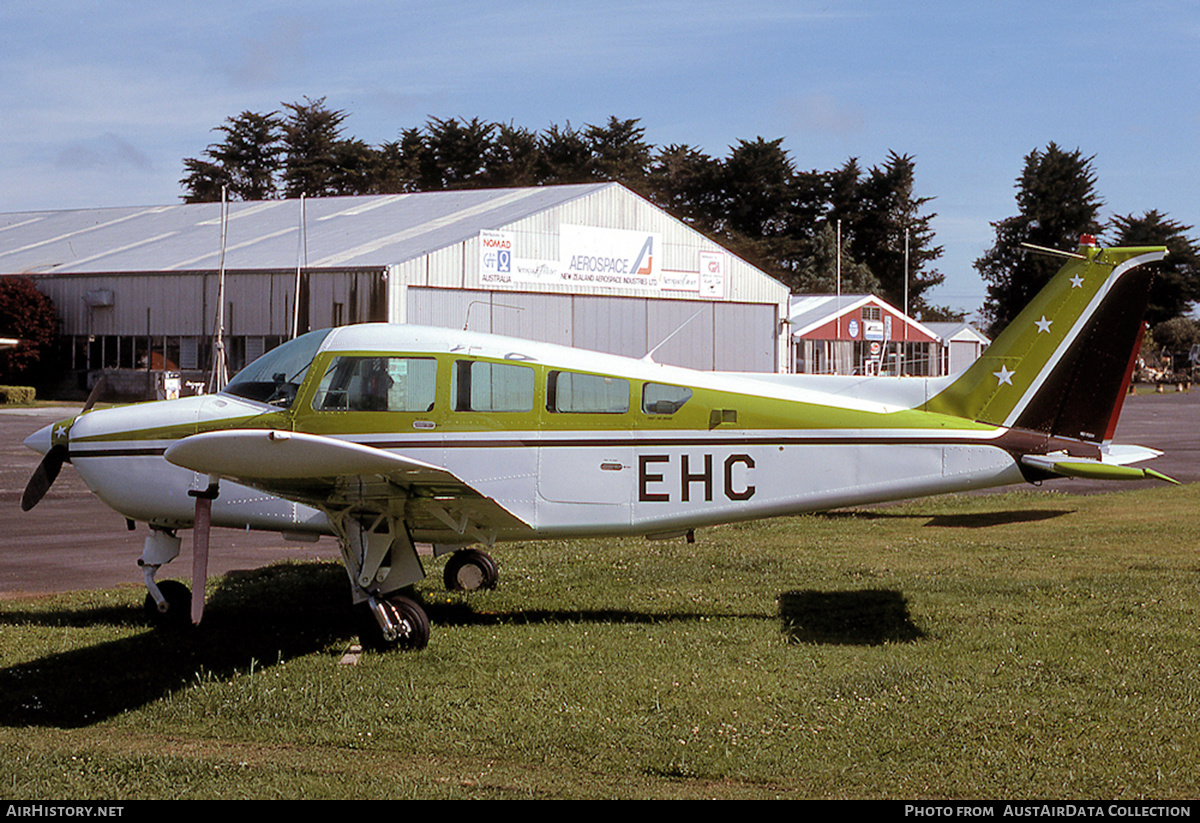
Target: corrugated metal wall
(537,237)
(702,335)
(738,332)
(257,303)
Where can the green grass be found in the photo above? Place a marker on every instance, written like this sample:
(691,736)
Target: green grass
(1029,645)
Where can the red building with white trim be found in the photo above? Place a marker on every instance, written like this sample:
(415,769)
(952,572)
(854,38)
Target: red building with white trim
(862,334)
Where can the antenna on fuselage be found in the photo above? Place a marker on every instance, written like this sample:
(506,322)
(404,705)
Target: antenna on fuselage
(1052,252)
(649,356)
(487,303)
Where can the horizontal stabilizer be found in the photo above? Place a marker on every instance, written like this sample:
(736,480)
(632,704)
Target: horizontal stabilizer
(1066,466)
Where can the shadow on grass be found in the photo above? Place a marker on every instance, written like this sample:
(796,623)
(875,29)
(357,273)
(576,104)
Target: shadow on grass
(856,618)
(253,619)
(462,614)
(257,618)
(969,520)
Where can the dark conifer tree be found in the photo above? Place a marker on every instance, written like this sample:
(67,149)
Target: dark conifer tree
(1177,278)
(1056,203)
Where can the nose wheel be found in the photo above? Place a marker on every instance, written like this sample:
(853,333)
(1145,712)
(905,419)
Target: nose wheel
(175,608)
(395,623)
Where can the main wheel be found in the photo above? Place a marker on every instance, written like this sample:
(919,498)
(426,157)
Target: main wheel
(408,628)
(175,611)
(469,570)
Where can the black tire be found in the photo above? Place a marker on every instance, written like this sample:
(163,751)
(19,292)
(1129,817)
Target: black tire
(178,606)
(470,570)
(403,611)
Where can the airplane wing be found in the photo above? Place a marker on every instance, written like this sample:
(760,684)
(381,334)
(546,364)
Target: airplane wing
(335,475)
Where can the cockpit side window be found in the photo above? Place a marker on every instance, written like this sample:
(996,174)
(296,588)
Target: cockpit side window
(378,383)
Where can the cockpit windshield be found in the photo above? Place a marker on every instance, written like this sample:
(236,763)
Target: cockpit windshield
(275,377)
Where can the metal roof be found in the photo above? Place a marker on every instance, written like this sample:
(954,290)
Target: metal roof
(957,330)
(339,232)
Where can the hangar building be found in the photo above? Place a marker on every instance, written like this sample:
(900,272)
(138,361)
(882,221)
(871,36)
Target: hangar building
(593,266)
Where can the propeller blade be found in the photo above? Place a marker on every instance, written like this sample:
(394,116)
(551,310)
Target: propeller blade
(43,477)
(96,392)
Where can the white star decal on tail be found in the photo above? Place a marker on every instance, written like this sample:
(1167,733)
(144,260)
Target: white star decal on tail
(1043,324)
(1004,375)
(1077,282)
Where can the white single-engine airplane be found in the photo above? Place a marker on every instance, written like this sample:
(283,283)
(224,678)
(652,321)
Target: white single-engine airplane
(389,435)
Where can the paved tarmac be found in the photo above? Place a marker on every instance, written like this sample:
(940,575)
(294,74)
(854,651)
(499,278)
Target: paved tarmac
(73,542)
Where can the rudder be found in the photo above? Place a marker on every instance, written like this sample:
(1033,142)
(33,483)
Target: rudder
(1062,365)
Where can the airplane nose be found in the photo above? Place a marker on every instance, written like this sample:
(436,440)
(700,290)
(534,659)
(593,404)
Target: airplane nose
(41,440)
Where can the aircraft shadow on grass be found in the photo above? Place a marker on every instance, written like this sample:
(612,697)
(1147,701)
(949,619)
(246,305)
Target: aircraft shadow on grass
(970,520)
(266,617)
(272,615)
(869,617)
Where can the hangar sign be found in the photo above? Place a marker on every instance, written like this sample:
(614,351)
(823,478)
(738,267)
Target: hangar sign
(588,256)
(495,257)
(617,258)
(601,258)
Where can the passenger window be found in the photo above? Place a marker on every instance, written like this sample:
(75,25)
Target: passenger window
(397,384)
(659,398)
(492,387)
(586,393)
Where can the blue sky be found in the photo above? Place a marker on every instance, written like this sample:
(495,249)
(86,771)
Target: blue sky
(101,101)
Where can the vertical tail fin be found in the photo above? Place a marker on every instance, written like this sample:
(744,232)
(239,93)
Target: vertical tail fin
(1062,366)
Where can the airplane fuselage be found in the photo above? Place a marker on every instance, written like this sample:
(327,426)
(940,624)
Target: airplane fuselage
(570,442)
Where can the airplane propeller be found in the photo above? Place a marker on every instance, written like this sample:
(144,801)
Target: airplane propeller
(52,462)
(43,477)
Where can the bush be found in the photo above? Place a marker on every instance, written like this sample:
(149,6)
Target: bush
(27,315)
(17,395)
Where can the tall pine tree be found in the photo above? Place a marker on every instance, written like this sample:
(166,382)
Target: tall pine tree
(1056,203)
(1177,278)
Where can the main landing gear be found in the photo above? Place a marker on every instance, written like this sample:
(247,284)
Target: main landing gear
(470,570)
(381,561)
(395,621)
